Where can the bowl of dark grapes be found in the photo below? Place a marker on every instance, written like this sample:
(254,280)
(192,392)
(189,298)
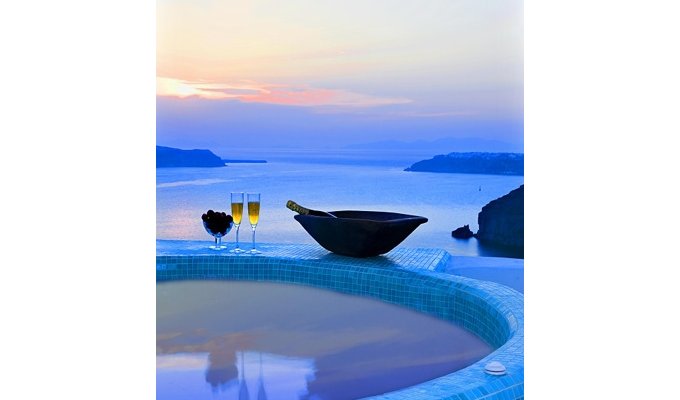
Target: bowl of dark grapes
(217,224)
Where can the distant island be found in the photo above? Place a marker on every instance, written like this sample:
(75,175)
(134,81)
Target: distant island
(473,163)
(168,157)
(244,161)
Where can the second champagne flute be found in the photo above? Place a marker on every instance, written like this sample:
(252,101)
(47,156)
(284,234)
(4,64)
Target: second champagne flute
(254,216)
(237,214)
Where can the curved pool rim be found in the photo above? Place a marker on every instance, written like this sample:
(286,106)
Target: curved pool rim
(406,277)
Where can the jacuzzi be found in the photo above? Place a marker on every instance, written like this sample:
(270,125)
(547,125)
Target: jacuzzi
(405,277)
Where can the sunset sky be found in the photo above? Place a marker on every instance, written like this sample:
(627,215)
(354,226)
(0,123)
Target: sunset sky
(249,73)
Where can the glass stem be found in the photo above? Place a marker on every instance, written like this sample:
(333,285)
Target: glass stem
(237,226)
(253,238)
(218,242)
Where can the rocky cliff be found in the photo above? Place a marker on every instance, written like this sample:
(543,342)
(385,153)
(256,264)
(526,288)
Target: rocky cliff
(501,222)
(168,157)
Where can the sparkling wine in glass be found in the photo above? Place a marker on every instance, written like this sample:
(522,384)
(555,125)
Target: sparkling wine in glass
(253,216)
(237,214)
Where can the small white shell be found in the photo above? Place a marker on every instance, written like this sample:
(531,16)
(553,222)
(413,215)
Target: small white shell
(494,368)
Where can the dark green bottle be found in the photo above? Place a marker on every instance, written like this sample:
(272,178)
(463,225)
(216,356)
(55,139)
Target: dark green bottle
(306,211)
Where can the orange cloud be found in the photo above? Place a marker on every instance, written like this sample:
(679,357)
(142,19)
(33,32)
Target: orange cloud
(253,92)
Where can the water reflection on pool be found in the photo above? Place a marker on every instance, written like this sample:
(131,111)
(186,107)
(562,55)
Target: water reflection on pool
(252,375)
(248,340)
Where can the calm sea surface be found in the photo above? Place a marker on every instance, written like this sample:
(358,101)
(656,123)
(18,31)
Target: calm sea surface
(447,200)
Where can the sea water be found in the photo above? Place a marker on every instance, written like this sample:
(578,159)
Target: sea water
(447,200)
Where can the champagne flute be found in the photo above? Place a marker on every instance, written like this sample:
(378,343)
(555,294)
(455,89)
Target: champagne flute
(253,216)
(237,214)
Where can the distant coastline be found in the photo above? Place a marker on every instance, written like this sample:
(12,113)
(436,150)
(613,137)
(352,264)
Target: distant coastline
(169,157)
(473,163)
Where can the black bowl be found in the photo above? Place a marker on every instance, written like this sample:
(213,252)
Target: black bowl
(360,233)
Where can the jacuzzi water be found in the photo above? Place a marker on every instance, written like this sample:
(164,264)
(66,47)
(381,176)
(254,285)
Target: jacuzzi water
(260,340)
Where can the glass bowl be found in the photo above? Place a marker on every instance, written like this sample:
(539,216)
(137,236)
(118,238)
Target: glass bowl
(218,225)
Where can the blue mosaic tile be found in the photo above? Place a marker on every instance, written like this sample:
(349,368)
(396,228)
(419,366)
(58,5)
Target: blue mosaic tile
(407,277)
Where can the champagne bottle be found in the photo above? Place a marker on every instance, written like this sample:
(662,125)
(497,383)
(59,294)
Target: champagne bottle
(306,211)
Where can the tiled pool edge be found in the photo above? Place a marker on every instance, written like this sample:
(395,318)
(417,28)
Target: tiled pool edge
(404,276)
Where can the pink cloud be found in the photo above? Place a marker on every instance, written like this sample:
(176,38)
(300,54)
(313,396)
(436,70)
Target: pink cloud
(253,92)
